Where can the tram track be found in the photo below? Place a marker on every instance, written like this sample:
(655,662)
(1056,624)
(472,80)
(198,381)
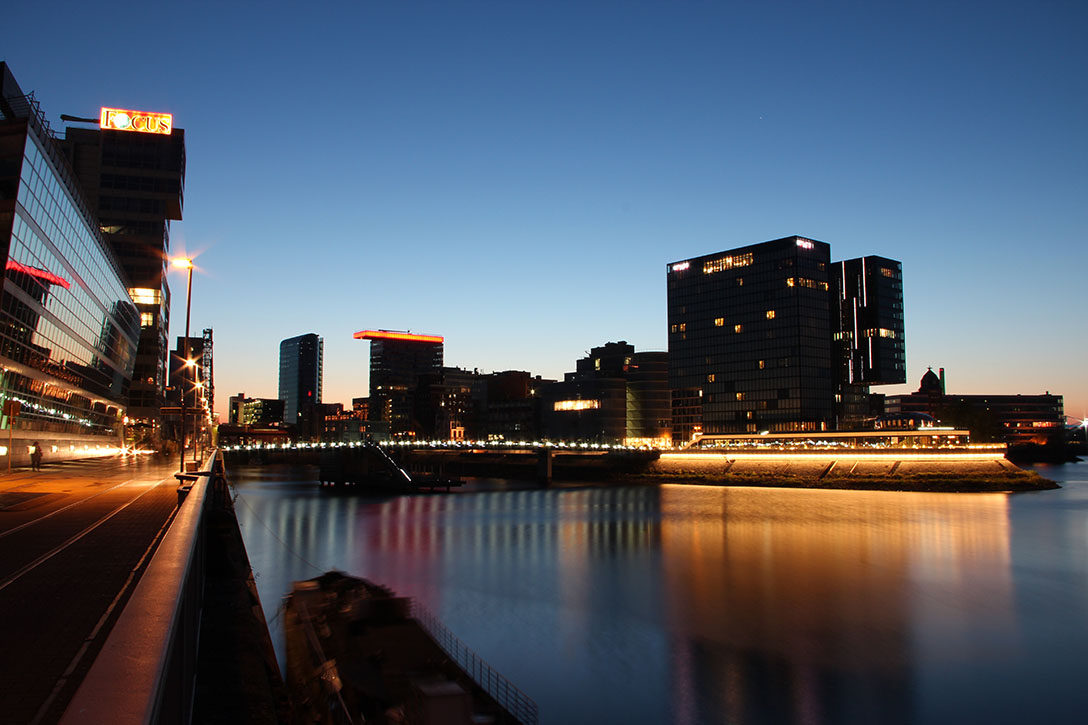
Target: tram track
(27,568)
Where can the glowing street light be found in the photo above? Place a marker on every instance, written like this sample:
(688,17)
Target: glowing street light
(187,264)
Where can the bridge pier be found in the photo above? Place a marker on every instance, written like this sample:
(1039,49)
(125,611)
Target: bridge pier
(544,458)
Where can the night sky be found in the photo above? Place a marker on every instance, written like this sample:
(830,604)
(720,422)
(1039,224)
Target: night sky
(515,176)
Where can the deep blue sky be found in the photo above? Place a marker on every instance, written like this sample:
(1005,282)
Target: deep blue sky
(516,175)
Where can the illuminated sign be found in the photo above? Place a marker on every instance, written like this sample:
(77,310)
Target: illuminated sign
(388,335)
(805,244)
(119,119)
(680,266)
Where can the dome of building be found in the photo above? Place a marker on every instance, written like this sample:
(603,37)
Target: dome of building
(930,383)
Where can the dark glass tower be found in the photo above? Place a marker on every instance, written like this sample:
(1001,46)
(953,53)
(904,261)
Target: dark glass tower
(397,361)
(867,319)
(301,360)
(750,335)
(134,182)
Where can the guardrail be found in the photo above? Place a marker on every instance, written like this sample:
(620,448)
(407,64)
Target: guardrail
(146,669)
(516,702)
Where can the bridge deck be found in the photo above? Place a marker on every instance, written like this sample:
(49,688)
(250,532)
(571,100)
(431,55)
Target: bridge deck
(73,540)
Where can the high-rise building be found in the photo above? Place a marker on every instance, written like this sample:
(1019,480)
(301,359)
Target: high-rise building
(749,330)
(773,337)
(397,360)
(132,171)
(869,345)
(68,327)
(301,362)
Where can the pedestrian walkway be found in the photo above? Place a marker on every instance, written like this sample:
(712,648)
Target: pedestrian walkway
(73,539)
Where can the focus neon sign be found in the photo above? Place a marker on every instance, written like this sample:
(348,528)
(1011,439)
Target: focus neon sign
(119,119)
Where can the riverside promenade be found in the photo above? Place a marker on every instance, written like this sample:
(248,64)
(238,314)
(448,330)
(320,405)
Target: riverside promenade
(74,538)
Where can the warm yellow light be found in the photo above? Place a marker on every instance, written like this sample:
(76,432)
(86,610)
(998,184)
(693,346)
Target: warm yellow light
(190,363)
(182,262)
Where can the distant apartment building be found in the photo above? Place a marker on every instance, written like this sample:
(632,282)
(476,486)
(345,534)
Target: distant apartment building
(68,327)
(615,395)
(300,377)
(773,337)
(132,171)
(397,362)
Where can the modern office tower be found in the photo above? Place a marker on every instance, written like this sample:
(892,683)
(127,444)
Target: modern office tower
(301,362)
(68,328)
(397,360)
(750,336)
(262,412)
(132,171)
(869,346)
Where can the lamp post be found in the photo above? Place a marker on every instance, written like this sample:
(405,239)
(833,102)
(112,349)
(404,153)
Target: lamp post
(185,263)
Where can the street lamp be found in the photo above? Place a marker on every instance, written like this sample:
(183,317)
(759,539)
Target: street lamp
(185,263)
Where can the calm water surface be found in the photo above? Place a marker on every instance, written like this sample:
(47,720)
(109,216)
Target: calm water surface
(695,604)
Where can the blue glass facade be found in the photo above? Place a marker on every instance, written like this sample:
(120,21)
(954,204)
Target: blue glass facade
(68,328)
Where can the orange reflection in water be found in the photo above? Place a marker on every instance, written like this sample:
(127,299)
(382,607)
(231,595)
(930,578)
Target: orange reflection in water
(813,586)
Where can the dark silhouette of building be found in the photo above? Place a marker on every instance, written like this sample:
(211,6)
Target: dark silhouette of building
(134,181)
(301,362)
(773,337)
(397,360)
(68,328)
(750,329)
(1011,419)
(869,345)
(615,395)
(513,406)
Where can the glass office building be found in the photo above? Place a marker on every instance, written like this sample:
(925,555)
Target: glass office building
(750,335)
(68,327)
(301,362)
(397,362)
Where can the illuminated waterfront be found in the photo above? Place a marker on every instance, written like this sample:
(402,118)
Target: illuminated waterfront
(704,604)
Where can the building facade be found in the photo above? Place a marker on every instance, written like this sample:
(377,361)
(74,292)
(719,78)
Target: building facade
(397,361)
(301,364)
(868,340)
(750,337)
(134,181)
(68,327)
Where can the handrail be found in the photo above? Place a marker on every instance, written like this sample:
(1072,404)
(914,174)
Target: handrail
(516,702)
(146,669)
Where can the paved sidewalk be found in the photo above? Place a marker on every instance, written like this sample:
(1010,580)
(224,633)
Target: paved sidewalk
(73,539)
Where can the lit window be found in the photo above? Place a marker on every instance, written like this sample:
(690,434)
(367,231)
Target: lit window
(737,328)
(740,396)
(725,263)
(147,319)
(770,314)
(762,364)
(719,321)
(144,296)
(577,404)
(710,378)
(888,272)
(790,281)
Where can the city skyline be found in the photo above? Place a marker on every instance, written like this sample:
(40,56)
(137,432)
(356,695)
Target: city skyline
(517,178)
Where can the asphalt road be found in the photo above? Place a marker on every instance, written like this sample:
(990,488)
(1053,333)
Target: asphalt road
(74,538)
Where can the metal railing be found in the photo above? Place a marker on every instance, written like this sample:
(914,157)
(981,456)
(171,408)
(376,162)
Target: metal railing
(146,670)
(504,692)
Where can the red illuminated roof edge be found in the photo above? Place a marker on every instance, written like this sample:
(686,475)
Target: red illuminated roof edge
(387,335)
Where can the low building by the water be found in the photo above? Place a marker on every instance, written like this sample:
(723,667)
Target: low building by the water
(1012,419)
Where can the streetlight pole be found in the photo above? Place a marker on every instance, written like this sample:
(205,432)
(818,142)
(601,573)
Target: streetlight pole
(185,264)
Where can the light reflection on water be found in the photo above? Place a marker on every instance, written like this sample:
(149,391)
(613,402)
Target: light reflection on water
(703,604)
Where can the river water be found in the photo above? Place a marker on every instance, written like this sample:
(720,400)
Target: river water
(700,604)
